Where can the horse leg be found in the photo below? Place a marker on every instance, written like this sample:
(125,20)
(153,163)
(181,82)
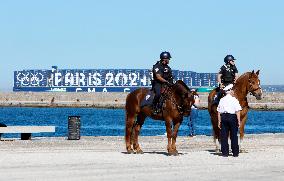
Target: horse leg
(130,119)
(216,133)
(212,109)
(217,143)
(217,140)
(137,128)
(242,133)
(214,121)
(174,137)
(169,136)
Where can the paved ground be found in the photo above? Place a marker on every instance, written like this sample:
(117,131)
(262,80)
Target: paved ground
(104,158)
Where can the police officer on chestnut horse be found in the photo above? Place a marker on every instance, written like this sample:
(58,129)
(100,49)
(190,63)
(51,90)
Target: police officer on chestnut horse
(162,76)
(228,74)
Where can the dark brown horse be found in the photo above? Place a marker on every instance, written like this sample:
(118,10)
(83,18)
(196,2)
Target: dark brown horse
(248,82)
(178,102)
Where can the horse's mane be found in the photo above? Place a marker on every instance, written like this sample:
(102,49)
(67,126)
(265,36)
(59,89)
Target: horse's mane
(243,77)
(180,82)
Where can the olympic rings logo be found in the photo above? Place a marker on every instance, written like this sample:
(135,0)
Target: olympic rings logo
(29,78)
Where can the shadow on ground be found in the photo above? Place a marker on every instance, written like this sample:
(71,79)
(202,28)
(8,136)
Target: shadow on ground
(158,153)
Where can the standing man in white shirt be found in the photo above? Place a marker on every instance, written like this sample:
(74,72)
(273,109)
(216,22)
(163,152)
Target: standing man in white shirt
(229,121)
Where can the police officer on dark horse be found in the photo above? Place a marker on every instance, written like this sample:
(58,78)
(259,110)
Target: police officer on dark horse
(162,76)
(228,74)
(177,102)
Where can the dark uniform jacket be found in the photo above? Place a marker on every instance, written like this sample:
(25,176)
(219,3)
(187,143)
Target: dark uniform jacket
(228,74)
(164,70)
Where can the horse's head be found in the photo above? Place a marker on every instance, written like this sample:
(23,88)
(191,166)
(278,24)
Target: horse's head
(254,85)
(188,100)
(187,97)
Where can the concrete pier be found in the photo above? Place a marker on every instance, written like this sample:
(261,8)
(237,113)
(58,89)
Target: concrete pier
(270,101)
(104,158)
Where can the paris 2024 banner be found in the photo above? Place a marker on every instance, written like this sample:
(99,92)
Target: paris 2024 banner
(100,80)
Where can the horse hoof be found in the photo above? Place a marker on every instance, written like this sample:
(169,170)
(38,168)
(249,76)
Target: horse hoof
(217,150)
(173,153)
(130,152)
(139,152)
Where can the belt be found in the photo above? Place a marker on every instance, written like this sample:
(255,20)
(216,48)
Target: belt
(228,113)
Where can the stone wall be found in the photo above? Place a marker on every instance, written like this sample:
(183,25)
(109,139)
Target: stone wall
(270,101)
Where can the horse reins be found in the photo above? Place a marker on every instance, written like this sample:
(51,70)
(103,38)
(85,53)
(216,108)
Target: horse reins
(169,95)
(250,87)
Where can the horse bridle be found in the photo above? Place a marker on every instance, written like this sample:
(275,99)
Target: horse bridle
(181,108)
(251,90)
(187,108)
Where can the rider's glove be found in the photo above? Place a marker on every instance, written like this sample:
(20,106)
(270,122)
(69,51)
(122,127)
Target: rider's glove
(169,84)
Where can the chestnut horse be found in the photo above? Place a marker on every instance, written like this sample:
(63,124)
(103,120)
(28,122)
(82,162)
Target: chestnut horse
(248,82)
(178,102)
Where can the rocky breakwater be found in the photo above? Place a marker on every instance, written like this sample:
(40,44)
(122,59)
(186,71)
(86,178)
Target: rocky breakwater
(62,99)
(270,101)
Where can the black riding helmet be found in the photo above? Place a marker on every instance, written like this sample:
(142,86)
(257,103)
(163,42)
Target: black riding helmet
(228,58)
(165,55)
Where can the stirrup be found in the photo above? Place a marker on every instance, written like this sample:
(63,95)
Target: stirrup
(156,111)
(216,102)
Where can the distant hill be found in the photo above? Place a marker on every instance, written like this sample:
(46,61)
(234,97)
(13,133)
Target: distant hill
(272,88)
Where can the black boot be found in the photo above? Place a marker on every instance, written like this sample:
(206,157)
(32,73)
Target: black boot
(156,105)
(157,110)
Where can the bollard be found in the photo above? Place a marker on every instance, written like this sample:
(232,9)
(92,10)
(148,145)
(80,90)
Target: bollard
(74,125)
(2,125)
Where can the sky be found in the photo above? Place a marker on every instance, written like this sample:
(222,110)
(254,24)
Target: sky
(131,34)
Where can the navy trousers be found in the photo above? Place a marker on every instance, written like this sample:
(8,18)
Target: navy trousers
(157,89)
(229,123)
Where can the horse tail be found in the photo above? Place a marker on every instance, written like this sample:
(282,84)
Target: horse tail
(212,109)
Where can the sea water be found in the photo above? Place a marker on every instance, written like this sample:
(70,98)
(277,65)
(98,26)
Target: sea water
(111,122)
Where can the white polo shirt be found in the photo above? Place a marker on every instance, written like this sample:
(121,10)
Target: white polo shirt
(229,104)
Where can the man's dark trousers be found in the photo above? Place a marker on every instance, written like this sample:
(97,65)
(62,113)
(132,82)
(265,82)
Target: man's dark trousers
(229,123)
(157,89)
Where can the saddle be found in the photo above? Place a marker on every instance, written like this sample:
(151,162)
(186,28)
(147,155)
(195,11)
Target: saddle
(219,94)
(149,99)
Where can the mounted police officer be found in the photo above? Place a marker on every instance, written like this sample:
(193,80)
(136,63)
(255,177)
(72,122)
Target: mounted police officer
(162,76)
(228,74)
